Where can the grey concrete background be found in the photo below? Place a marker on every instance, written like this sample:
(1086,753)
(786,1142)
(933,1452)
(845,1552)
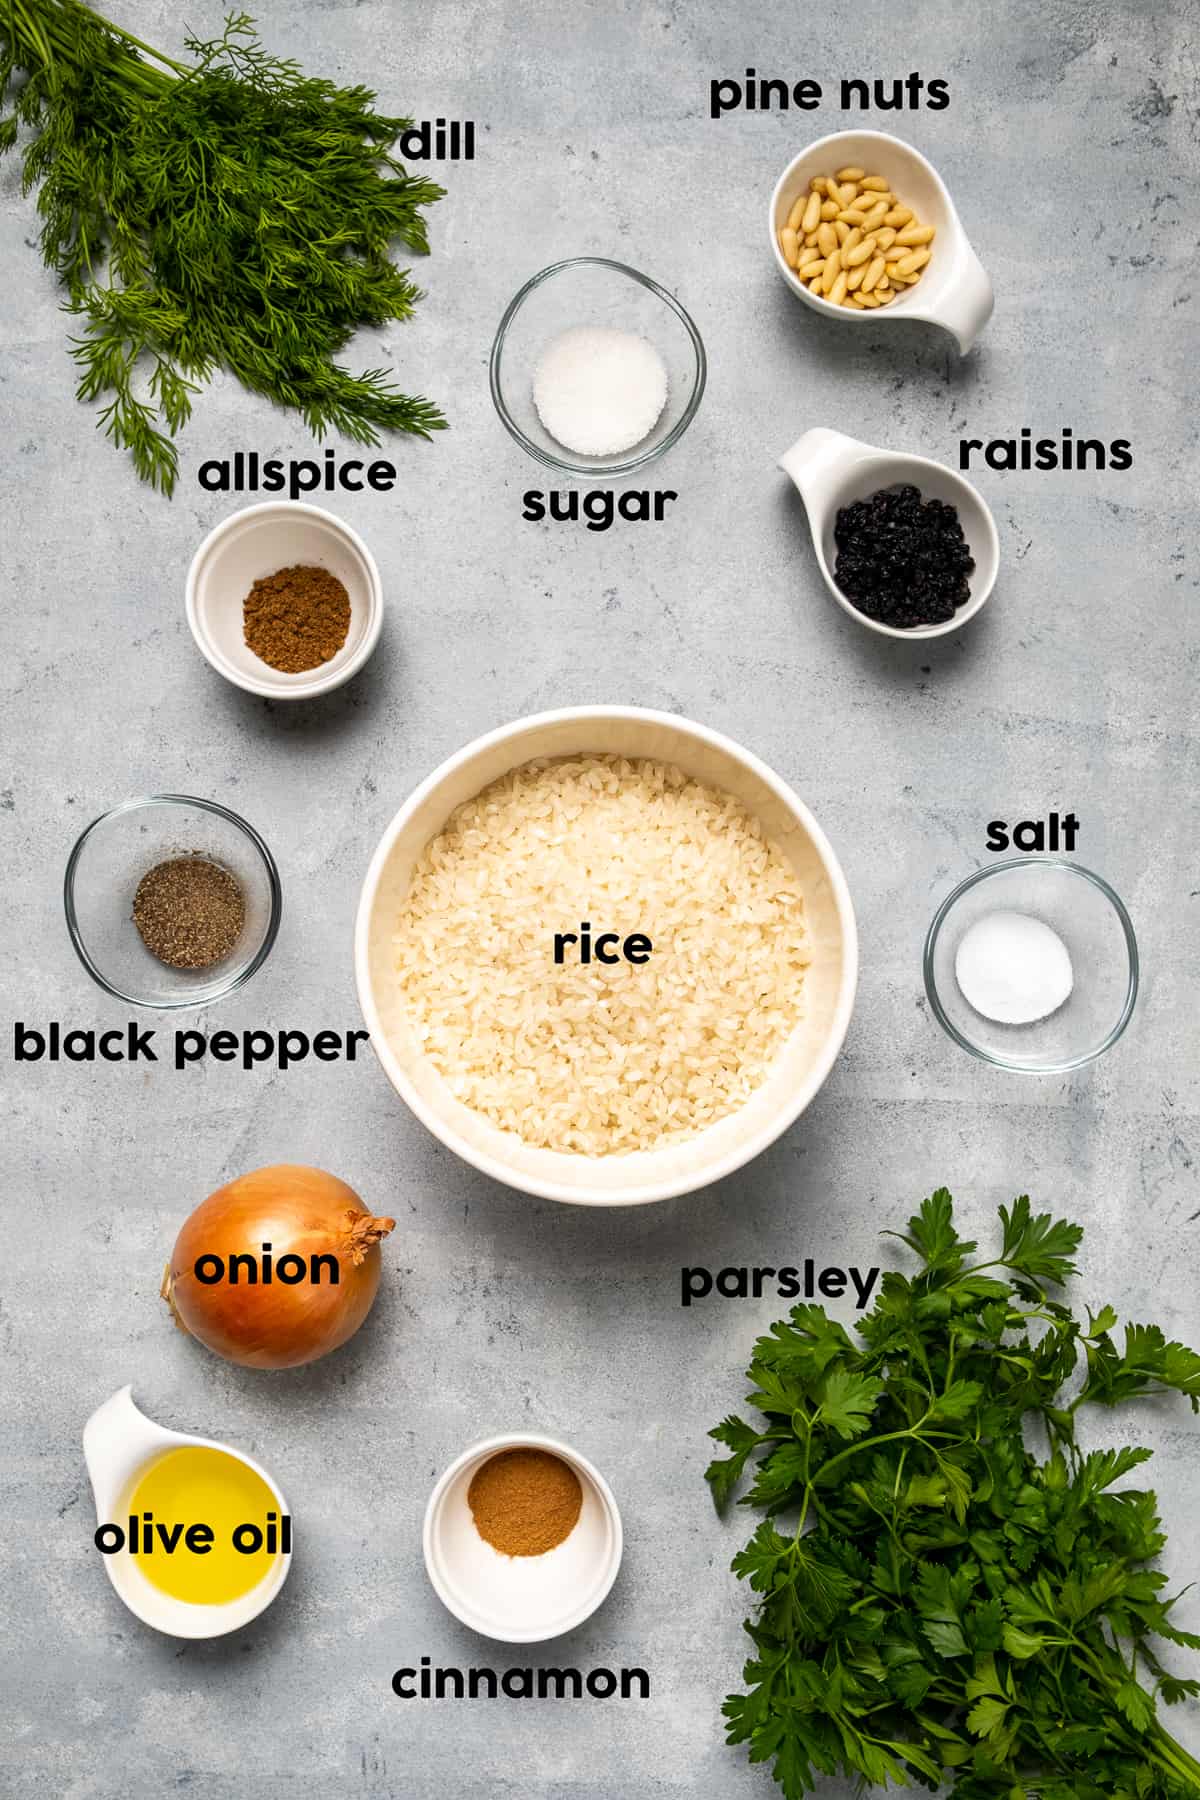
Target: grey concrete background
(1071,147)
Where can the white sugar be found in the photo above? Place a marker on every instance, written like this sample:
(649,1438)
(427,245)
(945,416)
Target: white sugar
(1013,968)
(599,391)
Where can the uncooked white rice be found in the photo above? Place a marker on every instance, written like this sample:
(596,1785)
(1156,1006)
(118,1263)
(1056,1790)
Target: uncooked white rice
(590,1058)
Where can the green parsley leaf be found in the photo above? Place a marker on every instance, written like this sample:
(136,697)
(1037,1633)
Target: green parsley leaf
(958,1402)
(985,1715)
(724,1474)
(1136,1704)
(1038,1247)
(1171,1690)
(1021,1644)
(932,1235)
(847,1402)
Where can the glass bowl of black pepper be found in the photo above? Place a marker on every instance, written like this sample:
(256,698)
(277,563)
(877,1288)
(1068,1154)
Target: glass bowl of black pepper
(171,901)
(906,546)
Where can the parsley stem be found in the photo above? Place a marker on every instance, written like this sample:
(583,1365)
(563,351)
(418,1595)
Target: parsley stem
(871,1443)
(1173,1756)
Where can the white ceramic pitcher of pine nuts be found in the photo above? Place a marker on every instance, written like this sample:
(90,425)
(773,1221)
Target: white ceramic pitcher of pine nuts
(888,243)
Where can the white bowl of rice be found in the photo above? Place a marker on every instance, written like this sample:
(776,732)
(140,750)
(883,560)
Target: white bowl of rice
(605,1082)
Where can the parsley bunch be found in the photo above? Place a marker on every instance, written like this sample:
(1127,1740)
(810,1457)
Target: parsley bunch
(963,1597)
(232,214)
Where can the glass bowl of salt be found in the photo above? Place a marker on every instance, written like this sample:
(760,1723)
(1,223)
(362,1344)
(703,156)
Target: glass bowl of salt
(1032,964)
(596,369)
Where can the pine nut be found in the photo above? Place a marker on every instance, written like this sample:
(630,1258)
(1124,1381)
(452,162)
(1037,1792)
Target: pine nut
(852,241)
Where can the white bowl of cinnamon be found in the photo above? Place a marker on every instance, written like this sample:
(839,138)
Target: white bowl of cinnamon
(522,1538)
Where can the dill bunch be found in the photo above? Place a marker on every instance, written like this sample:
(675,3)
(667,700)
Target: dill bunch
(232,213)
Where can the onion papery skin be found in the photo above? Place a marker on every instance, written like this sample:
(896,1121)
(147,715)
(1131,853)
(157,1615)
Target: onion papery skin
(299,1211)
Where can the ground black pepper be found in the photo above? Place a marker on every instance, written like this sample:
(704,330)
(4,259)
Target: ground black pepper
(901,560)
(189,911)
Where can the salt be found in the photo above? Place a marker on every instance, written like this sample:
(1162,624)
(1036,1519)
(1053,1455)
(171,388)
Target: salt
(599,391)
(1013,968)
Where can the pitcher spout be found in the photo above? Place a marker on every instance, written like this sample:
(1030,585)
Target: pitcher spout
(964,303)
(117,1439)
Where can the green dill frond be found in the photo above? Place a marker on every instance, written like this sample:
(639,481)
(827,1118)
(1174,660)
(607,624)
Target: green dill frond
(228,213)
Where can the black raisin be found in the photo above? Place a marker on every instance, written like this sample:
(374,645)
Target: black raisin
(901,560)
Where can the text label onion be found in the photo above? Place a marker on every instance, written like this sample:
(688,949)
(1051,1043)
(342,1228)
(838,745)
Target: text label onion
(300,1212)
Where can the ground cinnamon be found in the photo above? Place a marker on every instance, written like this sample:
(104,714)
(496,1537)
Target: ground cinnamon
(297,618)
(525,1501)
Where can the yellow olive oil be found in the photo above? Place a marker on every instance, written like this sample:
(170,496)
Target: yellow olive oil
(196,1486)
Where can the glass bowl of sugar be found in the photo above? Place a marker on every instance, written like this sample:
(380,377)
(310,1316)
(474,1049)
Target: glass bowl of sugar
(596,369)
(1031,964)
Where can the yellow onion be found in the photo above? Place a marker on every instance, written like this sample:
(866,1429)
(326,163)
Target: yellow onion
(273,1325)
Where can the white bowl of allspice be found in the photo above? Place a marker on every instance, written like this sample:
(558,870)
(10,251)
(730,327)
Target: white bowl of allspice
(284,600)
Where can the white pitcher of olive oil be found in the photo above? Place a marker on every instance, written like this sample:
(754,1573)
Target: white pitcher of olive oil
(202,1533)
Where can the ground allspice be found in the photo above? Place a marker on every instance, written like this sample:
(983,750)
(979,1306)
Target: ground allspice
(297,618)
(525,1501)
(190,911)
